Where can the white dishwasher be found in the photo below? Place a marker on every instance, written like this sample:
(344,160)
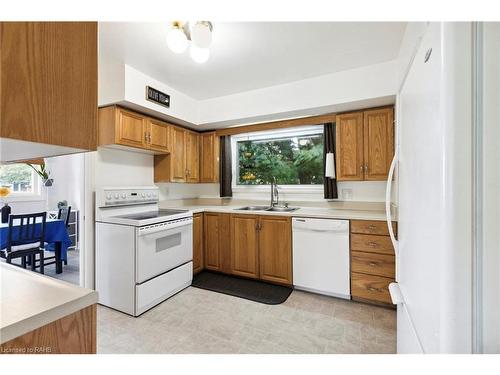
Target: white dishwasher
(321,256)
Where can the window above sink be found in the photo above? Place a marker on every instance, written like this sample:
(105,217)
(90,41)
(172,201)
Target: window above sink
(294,156)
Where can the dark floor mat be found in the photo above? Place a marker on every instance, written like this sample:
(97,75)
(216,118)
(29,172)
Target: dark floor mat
(253,290)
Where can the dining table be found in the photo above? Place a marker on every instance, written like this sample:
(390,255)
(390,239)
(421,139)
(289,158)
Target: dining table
(56,238)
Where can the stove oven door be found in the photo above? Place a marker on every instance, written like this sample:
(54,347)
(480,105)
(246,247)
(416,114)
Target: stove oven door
(162,247)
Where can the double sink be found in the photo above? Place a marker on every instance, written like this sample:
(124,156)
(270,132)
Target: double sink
(268,208)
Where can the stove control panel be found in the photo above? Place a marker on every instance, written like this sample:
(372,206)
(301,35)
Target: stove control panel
(111,197)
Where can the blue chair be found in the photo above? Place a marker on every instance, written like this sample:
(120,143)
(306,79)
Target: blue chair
(63,214)
(25,241)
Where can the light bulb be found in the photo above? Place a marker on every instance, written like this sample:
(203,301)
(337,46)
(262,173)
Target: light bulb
(201,35)
(177,40)
(199,55)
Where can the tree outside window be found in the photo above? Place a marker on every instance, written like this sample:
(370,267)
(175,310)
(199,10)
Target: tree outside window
(19,178)
(294,159)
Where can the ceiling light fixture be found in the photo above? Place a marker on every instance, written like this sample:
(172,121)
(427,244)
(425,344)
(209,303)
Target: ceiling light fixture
(177,39)
(199,55)
(199,33)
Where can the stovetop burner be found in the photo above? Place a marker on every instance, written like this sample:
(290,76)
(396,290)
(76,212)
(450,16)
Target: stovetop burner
(151,214)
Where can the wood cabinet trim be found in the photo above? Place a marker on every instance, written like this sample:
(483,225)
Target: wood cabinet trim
(72,334)
(48,85)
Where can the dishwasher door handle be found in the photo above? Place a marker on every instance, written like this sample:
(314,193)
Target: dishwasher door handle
(333,230)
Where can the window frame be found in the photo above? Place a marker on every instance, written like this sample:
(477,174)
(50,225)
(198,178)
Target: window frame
(306,189)
(36,195)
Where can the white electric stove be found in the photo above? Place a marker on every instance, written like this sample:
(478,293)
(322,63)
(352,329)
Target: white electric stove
(143,254)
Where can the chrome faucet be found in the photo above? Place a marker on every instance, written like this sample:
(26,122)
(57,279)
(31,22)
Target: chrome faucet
(274,193)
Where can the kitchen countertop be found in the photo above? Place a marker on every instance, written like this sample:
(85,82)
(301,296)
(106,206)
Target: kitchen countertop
(29,300)
(313,212)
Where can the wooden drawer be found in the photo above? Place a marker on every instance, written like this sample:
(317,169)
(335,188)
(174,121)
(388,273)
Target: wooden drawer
(373,264)
(372,244)
(371,227)
(370,288)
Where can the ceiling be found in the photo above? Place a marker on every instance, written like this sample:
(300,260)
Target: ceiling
(251,55)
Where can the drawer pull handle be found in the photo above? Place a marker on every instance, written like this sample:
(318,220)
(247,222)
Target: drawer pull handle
(372,244)
(372,264)
(372,227)
(371,289)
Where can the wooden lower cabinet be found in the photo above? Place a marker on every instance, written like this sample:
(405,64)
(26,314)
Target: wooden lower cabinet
(275,249)
(370,288)
(72,334)
(372,261)
(217,247)
(244,245)
(252,246)
(197,243)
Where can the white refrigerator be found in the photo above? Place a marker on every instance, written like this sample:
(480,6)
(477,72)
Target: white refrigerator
(433,181)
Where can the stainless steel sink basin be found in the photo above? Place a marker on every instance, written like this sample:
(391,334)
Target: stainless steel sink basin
(282,209)
(267,208)
(253,208)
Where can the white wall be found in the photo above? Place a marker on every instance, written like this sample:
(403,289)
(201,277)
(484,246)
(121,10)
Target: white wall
(360,191)
(27,206)
(369,86)
(328,93)
(122,84)
(185,191)
(68,174)
(113,167)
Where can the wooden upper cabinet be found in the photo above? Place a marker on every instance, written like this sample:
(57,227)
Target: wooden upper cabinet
(275,249)
(48,86)
(197,243)
(349,150)
(378,143)
(158,135)
(131,129)
(364,145)
(209,163)
(192,157)
(183,162)
(178,155)
(121,127)
(244,245)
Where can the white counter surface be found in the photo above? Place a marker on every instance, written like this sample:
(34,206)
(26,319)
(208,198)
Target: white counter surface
(29,300)
(314,212)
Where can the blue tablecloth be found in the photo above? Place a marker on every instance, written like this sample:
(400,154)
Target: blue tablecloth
(55,231)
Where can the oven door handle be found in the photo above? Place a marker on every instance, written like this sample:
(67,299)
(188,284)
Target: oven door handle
(155,228)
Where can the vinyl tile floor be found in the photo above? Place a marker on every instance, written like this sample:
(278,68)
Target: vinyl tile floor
(198,321)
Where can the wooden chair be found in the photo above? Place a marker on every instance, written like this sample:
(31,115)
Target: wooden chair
(25,241)
(63,214)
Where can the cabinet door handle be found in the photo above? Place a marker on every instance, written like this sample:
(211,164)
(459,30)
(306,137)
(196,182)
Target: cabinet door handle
(366,168)
(149,137)
(146,137)
(361,168)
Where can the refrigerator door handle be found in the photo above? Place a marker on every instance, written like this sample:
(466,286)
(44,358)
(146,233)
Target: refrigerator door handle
(388,192)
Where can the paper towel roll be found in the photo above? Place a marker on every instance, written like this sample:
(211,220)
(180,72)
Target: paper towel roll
(329,165)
